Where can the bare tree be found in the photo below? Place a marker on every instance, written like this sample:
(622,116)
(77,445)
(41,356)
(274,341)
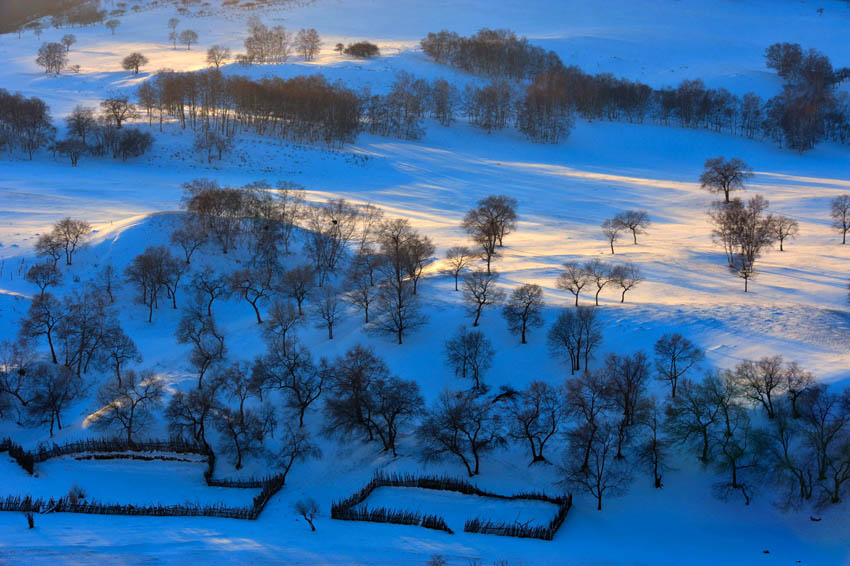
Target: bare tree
(479,291)
(635,221)
(106,282)
(364,399)
(113,25)
(188,37)
(245,429)
(282,320)
(117,349)
(744,230)
(147,272)
(826,418)
(133,62)
(535,415)
(198,328)
(840,212)
(464,425)
(470,354)
(209,286)
(604,475)
(397,306)
(217,55)
(458,258)
(738,452)
(53,57)
(52,388)
(190,237)
(396,403)
(724,176)
(49,245)
(574,335)
(43,318)
(360,290)
(420,250)
(172,31)
(598,273)
(291,370)
(626,276)
(44,275)
(784,228)
(117,109)
(15,359)
(760,381)
(255,285)
(797,384)
(80,329)
(626,382)
(128,406)
(308,43)
(522,309)
(692,414)
(653,447)
(68,40)
(573,278)
(188,412)
(71,234)
(674,356)
(73,149)
(791,459)
(611,230)
(328,308)
(296,284)
(587,404)
(309,510)
(173,270)
(503,210)
(295,447)
(347,407)
(81,122)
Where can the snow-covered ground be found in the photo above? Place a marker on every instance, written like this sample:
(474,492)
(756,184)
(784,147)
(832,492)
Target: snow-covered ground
(797,305)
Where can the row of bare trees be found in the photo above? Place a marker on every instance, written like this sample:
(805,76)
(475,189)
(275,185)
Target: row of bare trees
(808,110)
(302,109)
(275,44)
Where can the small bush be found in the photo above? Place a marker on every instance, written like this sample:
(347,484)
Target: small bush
(362,49)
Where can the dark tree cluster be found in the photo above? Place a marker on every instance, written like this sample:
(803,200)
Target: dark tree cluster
(53,57)
(362,50)
(25,123)
(808,110)
(91,134)
(305,109)
(494,53)
(81,332)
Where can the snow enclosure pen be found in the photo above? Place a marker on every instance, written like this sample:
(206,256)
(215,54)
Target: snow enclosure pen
(347,510)
(147,451)
(360,281)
